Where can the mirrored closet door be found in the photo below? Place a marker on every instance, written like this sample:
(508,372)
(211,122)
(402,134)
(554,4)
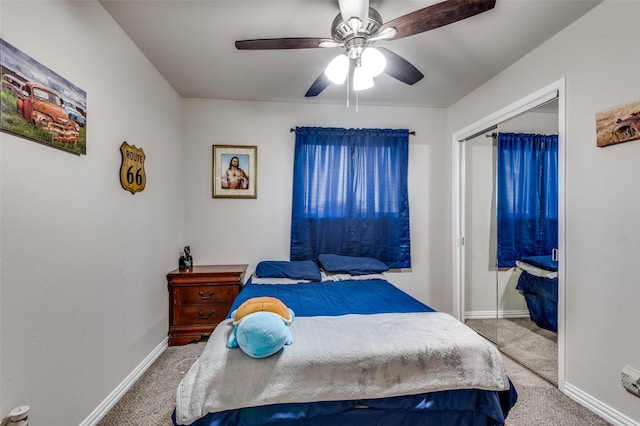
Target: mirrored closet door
(512,308)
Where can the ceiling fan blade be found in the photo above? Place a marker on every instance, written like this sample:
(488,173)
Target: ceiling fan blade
(283,43)
(436,16)
(399,68)
(354,8)
(321,83)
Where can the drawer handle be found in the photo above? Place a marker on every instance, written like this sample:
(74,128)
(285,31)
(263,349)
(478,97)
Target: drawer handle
(203,316)
(203,297)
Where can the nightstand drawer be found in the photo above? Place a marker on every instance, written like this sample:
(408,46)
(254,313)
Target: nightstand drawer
(198,295)
(203,314)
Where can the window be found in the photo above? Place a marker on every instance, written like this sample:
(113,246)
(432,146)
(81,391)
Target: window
(350,194)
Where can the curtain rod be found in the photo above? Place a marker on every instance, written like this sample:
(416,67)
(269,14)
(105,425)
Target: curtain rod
(411,132)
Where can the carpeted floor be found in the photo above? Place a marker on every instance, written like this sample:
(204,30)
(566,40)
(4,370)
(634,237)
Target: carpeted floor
(522,340)
(541,403)
(151,400)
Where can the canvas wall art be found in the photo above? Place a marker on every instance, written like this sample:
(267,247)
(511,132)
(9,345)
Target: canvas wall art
(618,125)
(39,104)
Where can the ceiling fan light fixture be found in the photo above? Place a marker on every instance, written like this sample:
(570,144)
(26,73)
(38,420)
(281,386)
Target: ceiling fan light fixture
(358,25)
(338,69)
(362,79)
(374,61)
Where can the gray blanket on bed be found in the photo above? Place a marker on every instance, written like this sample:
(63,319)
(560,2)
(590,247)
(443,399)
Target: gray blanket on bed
(346,357)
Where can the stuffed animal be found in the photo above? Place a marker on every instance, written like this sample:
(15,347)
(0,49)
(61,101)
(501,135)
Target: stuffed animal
(261,327)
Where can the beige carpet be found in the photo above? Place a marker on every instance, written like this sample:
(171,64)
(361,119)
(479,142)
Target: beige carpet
(522,340)
(541,403)
(151,400)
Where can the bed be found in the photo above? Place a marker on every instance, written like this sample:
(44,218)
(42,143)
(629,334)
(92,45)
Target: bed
(538,282)
(363,352)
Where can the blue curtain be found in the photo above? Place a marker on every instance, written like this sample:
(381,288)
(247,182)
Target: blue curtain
(527,201)
(350,194)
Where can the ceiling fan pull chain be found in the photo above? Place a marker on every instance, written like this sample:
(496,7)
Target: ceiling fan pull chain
(348,87)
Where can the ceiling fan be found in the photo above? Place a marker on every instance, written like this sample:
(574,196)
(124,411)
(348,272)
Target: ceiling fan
(357,27)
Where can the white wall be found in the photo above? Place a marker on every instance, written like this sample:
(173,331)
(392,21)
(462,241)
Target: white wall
(247,231)
(602,198)
(83,295)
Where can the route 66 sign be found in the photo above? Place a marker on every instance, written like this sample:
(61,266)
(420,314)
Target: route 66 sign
(132,175)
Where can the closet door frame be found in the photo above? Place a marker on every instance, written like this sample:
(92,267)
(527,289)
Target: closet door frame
(555,90)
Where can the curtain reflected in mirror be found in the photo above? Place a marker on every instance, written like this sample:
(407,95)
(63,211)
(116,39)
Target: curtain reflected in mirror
(510,276)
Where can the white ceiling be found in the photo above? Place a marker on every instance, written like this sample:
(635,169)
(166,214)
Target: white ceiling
(191,43)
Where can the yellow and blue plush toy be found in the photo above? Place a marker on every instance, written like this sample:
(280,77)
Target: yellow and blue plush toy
(261,327)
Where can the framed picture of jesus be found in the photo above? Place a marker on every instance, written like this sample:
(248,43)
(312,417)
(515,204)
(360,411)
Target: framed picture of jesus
(234,172)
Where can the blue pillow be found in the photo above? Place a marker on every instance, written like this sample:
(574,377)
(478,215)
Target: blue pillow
(353,265)
(295,269)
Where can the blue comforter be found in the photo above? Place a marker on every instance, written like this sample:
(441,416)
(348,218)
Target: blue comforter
(541,293)
(331,298)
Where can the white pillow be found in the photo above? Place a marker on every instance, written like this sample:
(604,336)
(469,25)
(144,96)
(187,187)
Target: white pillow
(331,276)
(258,280)
(534,270)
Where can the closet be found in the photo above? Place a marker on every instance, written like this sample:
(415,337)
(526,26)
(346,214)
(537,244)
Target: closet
(491,303)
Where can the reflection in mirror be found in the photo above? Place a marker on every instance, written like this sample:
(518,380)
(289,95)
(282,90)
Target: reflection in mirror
(512,308)
(481,273)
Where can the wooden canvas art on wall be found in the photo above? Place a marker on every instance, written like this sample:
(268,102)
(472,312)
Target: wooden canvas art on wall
(618,125)
(40,105)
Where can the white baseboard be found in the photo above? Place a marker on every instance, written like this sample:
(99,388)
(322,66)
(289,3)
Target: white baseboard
(609,414)
(492,314)
(123,387)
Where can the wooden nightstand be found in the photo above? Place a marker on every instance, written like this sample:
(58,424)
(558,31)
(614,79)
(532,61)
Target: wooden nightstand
(199,299)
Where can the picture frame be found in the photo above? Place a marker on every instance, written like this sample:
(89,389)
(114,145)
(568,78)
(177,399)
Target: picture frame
(235,171)
(40,105)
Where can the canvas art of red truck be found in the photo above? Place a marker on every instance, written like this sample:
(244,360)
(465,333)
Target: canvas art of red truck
(43,108)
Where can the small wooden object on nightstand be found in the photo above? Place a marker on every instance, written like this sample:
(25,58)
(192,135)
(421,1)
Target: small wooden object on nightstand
(200,298)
